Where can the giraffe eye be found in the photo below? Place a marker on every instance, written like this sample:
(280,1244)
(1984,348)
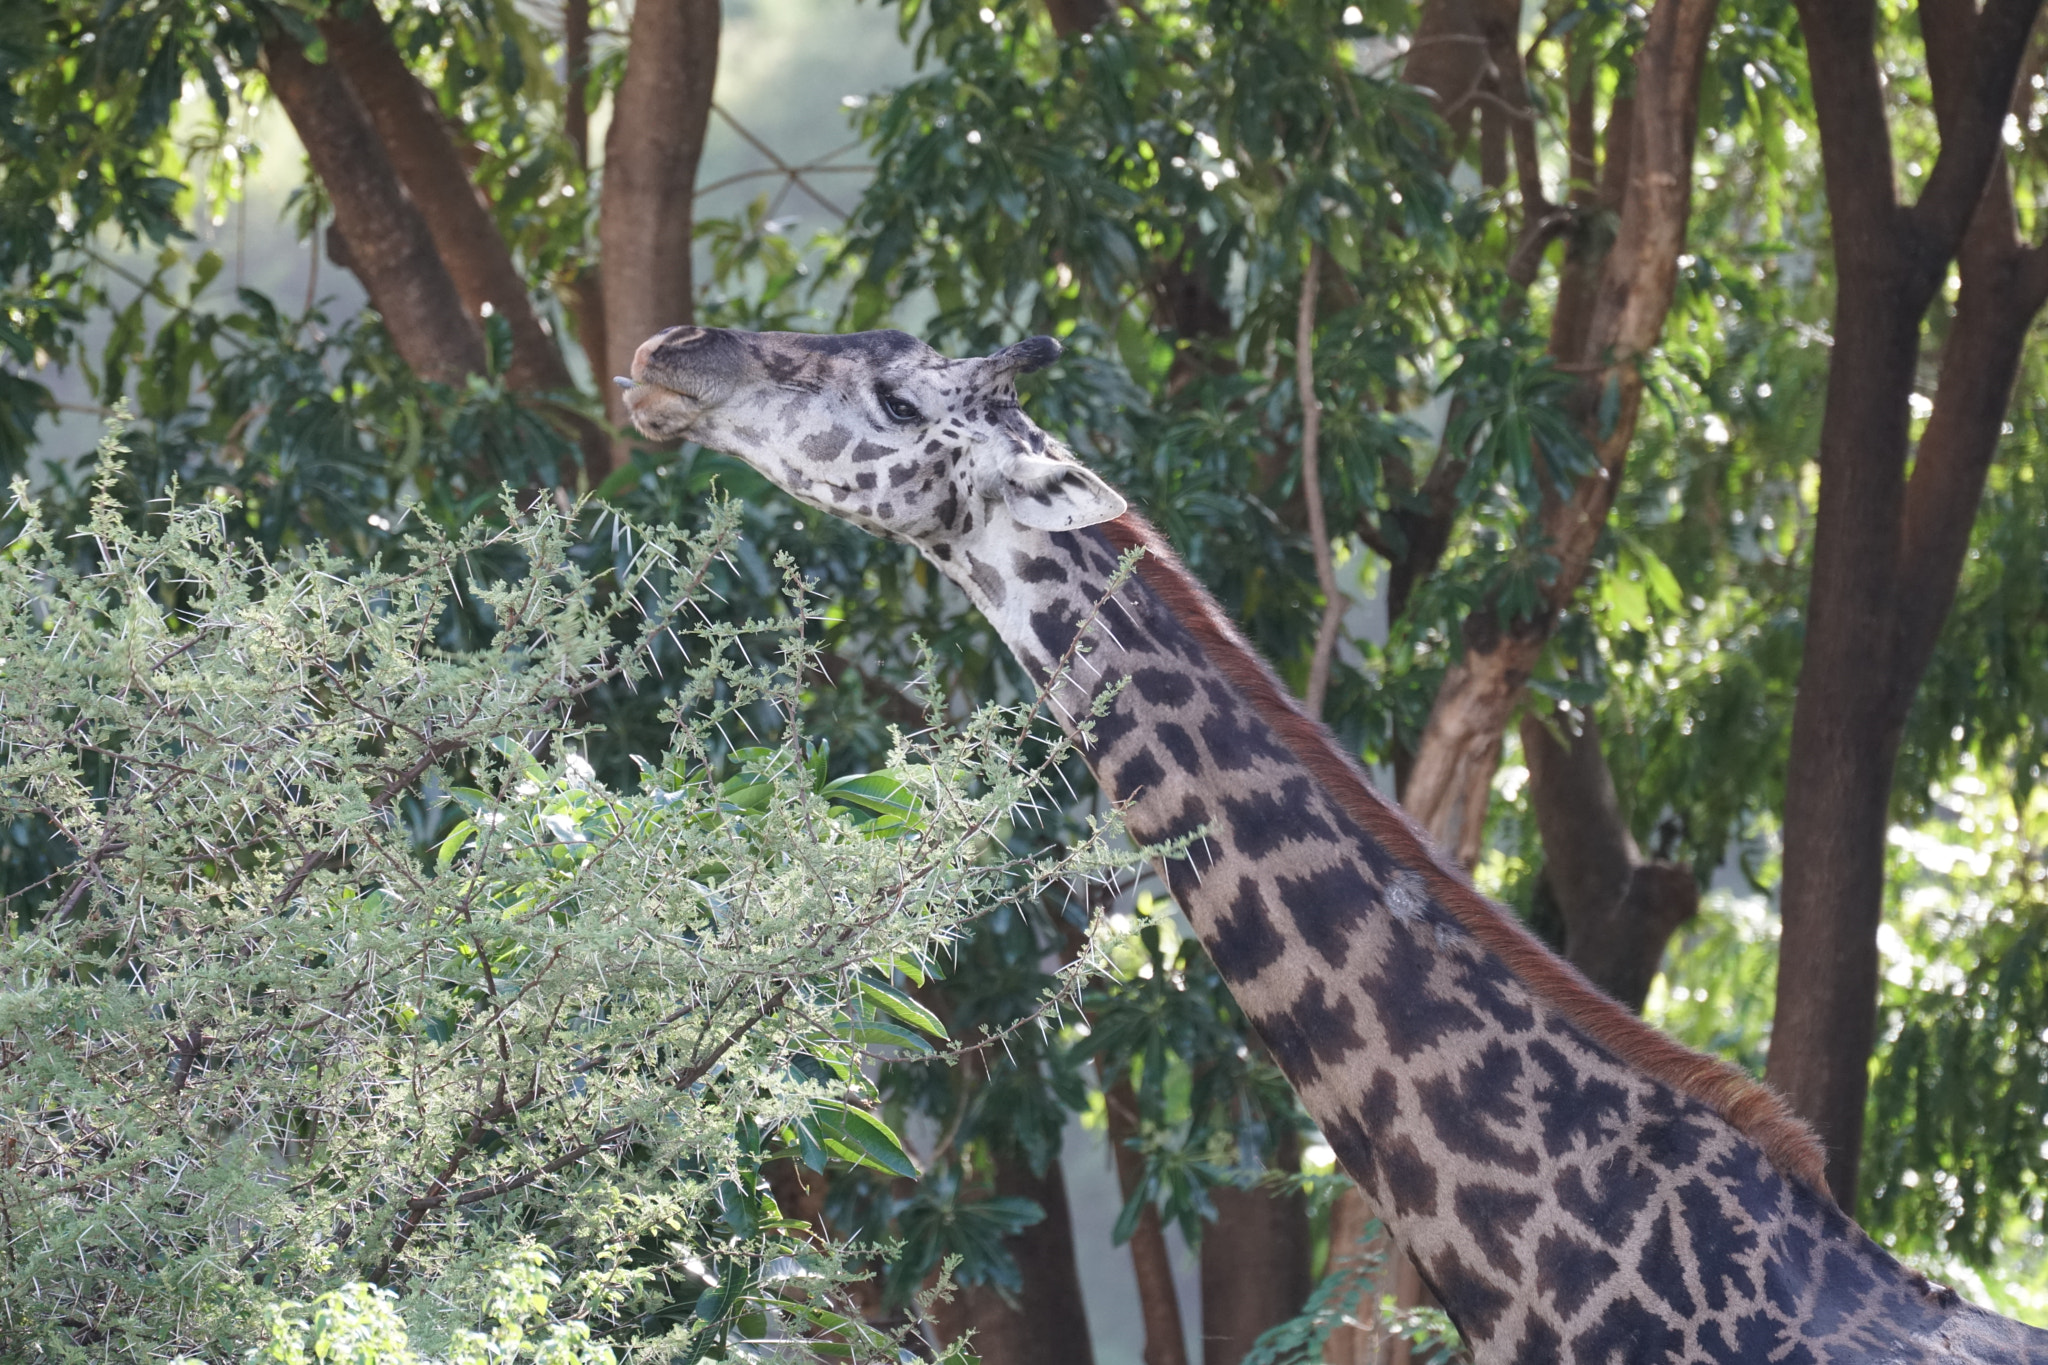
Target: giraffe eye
(896,407)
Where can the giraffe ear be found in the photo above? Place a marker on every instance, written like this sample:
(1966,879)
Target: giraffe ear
(1056,495)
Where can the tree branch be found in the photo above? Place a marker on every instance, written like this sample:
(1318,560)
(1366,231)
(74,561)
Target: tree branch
(1312,483)
(1855,138)
(1972,129)
(576,78)
(390,246)
(466,236)
(1619,909)
(1460,746)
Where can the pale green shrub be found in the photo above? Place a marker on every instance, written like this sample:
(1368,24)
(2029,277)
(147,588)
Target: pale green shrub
(278,1028)
(359,1324)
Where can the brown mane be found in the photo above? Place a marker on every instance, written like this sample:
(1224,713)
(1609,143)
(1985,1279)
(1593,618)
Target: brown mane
(1743,1101)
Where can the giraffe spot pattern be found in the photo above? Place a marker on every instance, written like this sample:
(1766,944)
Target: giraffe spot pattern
(1180,747)
(1540,1345)
(1574,1108)
(1474,1114)
(1055,627)
(1493,1216)
(1569,1271)
(1346,1133)
(1475,1301)
(1161,687)
(1607,1203)
(1261,822)
(986,578)
(1493,990)
(1139,771)
(1122,626)
(1748,1178)
(1660,1268)
(1110,729)
(1326,906)
(1236,739)
(1678,1138)
(1629,1334)
(1754,1336)
(1412,1017)
(1720,1248)
(826,446)
(1407,1178)
(1244,942)
(1315,1032)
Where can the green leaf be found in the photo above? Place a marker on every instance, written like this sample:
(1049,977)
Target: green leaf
(1625,596)
(1662,582)
(883,1033)
(881,793)
(1127,1220)
(203,272)
(523,757)
(893,1001)
(858,1136)
(453,844)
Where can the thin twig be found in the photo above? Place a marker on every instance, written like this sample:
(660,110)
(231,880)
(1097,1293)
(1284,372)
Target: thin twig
(794,173)
(1312,484)
(761,172)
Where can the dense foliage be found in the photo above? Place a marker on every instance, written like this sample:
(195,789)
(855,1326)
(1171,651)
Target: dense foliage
(360,973)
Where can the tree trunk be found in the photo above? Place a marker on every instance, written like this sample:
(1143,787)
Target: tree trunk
(1887,552)
(1372,1260)
(1048,1323)
(1838,779)
(1254,1261)
(1158,1299)
(583,295)
(576,78)
(1448,57)
(659,118)
(1449,784)
(389,246)
(416,139)
(1619,908)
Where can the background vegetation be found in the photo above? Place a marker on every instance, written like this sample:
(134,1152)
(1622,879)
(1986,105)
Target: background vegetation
(1678,554)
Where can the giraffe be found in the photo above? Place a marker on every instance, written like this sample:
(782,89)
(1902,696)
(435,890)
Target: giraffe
(1573,1185)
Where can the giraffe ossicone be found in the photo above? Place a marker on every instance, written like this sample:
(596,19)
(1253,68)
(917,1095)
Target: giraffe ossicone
(1574,1186)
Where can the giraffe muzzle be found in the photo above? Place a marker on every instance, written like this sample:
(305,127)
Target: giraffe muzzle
(677,375)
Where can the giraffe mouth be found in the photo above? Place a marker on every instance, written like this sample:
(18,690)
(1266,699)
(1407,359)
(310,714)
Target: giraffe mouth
(659,412)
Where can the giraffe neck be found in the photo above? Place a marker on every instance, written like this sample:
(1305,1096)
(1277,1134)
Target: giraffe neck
(1574,1186)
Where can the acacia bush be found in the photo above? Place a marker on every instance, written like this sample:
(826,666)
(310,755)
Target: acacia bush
(354,972)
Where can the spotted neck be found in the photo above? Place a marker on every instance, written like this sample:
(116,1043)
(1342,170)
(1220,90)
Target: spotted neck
(1574,1186)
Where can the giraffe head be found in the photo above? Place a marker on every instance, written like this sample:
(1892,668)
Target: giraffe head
(874,427)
